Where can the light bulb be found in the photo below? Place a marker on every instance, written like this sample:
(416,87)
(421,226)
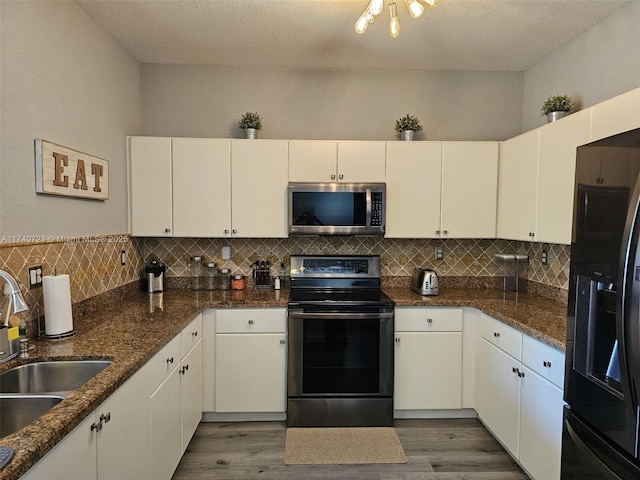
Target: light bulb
(375,7)
(431,3)
(363,22)
(415,8)
(394,23)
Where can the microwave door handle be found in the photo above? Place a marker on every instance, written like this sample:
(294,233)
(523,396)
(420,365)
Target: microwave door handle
(368,203)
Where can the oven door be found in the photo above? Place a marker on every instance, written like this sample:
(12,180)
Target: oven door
(340,353)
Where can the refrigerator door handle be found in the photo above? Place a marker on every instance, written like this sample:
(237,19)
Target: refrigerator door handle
(588,453)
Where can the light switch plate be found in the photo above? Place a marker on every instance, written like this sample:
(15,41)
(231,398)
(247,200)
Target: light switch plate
(34,277)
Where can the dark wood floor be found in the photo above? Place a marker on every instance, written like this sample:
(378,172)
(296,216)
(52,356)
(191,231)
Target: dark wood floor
(447,449)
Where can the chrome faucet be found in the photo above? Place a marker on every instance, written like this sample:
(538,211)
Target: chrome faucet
(19,303)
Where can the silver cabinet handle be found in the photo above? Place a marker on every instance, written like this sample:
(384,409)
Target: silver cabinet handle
(429,321)
(437,232)
(333,177)
(226,230)
(169,360)
(105,418)
(250,322)
(184,369)
(496,334)
(341,176)
(445,232)
(281,342)
(194,334)
(96,426)
(546,364)
(167,230)
(397,340)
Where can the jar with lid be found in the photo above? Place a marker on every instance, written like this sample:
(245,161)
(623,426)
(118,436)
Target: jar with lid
(224,279)
(211,276)
(237,282)
(196,272)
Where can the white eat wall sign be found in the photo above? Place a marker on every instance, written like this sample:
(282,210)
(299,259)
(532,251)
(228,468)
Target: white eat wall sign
(64,171)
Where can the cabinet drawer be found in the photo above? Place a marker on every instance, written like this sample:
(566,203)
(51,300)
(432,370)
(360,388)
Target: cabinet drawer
(164,361)
(268,320)
(191,334)
(417,319)
(508,339)
(544,360)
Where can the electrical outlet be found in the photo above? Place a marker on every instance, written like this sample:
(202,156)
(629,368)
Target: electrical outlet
(439,253)
(34,279)
(545,258)
(123,258)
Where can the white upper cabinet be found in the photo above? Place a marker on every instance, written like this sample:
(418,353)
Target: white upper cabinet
(616,115)
(329,161)
(312,161)
(413,177)
(150,213)
(556,176)
(259,172)
(517,186)
(536,181)
(469,189)
(361,161)
(201,186)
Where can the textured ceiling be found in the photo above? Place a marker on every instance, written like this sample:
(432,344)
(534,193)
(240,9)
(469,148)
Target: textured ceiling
(505,35)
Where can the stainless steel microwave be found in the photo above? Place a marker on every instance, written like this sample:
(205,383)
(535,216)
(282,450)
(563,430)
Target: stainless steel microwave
(337,208)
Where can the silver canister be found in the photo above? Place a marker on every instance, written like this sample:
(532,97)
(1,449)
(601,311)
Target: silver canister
(154,276)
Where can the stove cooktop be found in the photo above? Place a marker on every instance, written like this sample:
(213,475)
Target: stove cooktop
(368,297)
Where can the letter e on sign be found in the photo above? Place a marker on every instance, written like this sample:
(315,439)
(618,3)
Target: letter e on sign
(56,166)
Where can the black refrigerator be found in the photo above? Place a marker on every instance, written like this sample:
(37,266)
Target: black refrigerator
(602,382)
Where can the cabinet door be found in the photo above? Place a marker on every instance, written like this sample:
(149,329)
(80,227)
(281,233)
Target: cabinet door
(540,427)
(201,169)
(259,188)
(616,115)
(498,394)
(191,393)
(469,189)
(79,445)
(312,161)
(518,186)
(250,372)
(413,177)
(166,427)
(150,212)
(428,370)
(124,448)
(556,176)
(361,161)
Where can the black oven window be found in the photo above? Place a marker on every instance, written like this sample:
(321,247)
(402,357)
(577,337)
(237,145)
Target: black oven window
(329,208)
(341,356)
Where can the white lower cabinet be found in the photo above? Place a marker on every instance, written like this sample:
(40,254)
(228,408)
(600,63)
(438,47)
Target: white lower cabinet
(176,403)
(428,358)
(111,443)
(518,396)
(250,360)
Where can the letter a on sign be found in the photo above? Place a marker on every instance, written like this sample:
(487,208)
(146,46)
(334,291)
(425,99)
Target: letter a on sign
(56,166)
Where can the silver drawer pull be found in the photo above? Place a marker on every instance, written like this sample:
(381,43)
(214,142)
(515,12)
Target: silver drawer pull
(546,364)
(250,322)
(169,360)
(397,340)
(194,334)
(281,342)
(496,334)
(429,320)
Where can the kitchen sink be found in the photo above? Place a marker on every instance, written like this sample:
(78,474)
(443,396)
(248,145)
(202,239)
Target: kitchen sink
(59,377)
(18,411)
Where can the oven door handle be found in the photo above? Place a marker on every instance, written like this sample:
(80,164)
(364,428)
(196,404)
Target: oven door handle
(339,316)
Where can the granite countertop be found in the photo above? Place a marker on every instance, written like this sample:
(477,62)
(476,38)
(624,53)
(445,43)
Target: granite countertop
(130,330)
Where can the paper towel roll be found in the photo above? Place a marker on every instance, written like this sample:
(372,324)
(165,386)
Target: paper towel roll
(57,304)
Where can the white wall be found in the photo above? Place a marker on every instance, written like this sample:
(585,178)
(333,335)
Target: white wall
(63,79)
(204,101)
(601,63)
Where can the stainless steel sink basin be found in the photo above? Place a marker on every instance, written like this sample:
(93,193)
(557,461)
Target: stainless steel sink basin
(59,377)
(18,411)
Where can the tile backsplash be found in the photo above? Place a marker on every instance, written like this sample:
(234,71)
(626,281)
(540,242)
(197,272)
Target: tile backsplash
(462,257)
(93,263)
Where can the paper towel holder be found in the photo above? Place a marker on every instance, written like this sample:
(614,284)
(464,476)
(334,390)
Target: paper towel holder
(41,333)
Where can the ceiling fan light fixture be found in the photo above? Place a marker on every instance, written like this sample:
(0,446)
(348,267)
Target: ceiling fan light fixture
(375,7)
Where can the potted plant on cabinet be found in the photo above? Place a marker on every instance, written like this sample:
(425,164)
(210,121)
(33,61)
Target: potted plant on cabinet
(407,125)
(556,106)
(250,122)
